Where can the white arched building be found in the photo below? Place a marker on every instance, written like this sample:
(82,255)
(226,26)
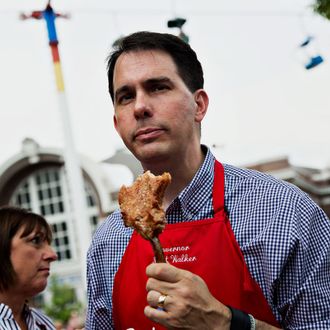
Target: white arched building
(35,178)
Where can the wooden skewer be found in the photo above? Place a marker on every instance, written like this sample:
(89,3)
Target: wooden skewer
(158,250)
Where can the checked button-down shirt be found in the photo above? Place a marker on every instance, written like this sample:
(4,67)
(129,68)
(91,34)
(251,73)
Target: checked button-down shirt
(283,235)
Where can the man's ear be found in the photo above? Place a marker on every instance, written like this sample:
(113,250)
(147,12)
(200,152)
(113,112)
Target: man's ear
(115,122)
(202,103)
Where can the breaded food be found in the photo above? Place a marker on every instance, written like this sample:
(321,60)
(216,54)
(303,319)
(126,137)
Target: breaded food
(141,205)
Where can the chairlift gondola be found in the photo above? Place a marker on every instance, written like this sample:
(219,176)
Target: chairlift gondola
(313,57)
(178,23)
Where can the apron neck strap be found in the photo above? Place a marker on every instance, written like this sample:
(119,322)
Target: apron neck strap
(218,187)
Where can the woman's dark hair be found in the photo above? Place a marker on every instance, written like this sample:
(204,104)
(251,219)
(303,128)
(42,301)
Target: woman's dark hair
(13,219)
(188,66)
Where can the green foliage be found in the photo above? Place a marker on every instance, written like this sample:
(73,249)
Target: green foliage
(63,301)
(322,7)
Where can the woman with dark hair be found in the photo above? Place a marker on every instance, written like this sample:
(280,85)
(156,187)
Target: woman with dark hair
(25,257)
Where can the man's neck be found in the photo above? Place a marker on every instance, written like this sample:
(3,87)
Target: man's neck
(182,172)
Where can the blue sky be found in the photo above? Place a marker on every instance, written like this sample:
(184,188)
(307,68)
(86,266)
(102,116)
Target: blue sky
(263,103)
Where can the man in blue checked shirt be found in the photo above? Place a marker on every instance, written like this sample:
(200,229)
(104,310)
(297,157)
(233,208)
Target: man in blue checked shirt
(243,249)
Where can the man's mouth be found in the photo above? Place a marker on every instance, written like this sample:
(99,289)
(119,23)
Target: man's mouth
(146,134)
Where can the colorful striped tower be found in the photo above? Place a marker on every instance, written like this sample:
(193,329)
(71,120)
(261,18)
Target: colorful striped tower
(49,15)
(80,218)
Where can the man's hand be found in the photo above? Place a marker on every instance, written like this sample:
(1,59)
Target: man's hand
(188,303)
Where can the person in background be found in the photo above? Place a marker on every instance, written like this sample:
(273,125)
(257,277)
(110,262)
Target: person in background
(25,257)
(76,321)
(244,250)
(58,325)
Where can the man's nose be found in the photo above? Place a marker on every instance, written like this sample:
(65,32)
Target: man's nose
(142,106)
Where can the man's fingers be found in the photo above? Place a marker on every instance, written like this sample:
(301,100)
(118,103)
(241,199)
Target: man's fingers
(162,277)
(153,297)
(161,287)
(164,272)
(156,315)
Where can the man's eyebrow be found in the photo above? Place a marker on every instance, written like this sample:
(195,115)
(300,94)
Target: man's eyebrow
(150,81)
(158,80)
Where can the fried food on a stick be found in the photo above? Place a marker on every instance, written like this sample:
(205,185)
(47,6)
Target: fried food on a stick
(141,207)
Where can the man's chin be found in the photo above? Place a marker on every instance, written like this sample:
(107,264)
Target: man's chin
(147,155)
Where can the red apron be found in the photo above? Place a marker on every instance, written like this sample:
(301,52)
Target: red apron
(205,247)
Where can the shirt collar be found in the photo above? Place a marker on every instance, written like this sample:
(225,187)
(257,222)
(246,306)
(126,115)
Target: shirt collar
(193,197)
(7,314)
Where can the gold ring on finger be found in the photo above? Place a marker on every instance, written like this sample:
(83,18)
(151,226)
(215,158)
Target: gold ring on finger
(161,301)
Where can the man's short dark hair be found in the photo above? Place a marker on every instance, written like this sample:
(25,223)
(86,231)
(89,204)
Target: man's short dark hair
(13,219)
(188,66)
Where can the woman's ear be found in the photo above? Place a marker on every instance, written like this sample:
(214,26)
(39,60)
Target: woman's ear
(202,103)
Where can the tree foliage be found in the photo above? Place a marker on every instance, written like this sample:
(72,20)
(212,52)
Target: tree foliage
(322,7)
(63,301)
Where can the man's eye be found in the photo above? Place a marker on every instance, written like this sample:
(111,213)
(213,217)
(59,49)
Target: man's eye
(158,88)
(124,98)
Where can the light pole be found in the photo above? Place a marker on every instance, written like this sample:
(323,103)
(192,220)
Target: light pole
(77,196)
